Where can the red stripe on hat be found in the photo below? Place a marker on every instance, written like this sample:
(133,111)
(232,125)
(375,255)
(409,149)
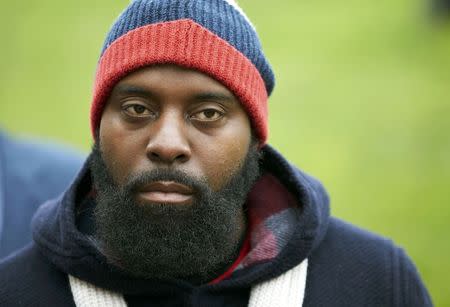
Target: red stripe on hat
(188,44)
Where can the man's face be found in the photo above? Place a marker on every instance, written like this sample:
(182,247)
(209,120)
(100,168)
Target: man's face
(172,168)
(170,117)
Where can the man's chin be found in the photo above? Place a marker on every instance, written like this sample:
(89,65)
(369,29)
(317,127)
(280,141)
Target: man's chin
(165,213)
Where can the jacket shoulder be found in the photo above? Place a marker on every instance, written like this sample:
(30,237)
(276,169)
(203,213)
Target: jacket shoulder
(354,267)
(28,279)
(51,167)
(31,173)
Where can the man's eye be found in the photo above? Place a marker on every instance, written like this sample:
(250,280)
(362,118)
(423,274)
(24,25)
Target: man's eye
(208,115)
(137,110)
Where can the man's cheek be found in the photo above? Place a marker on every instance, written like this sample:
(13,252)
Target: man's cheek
(223,171)
(113,163)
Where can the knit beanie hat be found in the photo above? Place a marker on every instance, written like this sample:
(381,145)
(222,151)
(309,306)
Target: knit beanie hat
(212,36)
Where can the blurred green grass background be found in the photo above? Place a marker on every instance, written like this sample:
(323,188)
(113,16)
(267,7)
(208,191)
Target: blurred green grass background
(362,102)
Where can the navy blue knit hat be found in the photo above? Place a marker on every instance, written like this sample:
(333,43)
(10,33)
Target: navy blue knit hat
(212,36)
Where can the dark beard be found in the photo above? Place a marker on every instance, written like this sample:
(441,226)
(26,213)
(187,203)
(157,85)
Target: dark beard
(195,243)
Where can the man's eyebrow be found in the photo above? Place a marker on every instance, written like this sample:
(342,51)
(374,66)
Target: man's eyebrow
(126,89)
(214,96)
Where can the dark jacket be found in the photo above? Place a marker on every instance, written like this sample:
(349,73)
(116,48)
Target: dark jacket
(347,266)
(30,173)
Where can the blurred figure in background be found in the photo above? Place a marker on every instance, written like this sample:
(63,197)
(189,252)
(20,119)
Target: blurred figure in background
(441,9)
(30,174)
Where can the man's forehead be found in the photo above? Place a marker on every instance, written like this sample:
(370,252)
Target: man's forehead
(168,76)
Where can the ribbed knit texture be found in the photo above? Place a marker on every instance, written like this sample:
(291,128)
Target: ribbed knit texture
(286,290)
(218,16)
(212,36)
(88,295)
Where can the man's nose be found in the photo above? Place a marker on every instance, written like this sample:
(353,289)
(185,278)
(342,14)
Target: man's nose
(168,143)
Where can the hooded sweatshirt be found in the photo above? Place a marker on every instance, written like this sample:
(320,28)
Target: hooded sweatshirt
(289,222)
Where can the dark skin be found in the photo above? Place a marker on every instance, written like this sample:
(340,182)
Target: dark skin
(165,116)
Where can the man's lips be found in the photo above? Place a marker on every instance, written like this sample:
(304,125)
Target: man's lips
(166,192)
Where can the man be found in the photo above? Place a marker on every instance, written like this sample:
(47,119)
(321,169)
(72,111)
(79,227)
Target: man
(30,173)
(181,202)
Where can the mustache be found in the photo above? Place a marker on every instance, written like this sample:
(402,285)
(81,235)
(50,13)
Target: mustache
(137,181)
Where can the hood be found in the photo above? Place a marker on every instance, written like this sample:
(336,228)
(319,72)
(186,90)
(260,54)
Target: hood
(288,214)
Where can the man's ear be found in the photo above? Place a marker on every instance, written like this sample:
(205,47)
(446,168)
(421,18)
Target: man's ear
(97,136)
(255,145)
(255,142)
